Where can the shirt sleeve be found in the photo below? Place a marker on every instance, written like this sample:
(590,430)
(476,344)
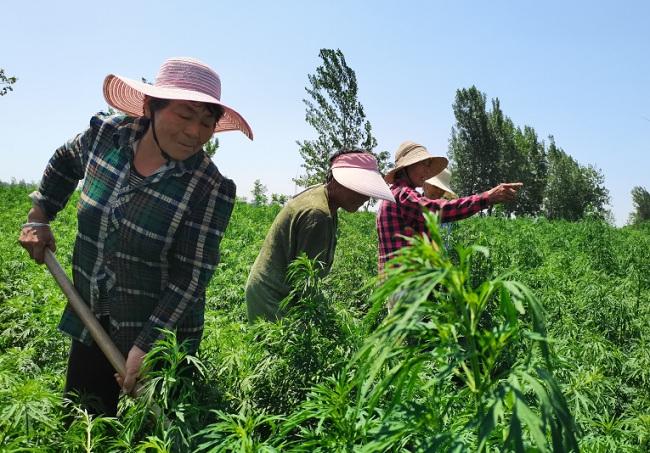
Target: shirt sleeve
(62,174)
(193,260)
(412,205)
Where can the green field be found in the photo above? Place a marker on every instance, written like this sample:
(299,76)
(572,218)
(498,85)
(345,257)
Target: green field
(465,363)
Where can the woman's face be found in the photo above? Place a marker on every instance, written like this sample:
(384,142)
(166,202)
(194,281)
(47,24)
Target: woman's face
(351,201)
(183,127)
(420,171)
(433,191)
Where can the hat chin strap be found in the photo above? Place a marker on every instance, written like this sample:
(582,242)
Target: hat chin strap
(164,154)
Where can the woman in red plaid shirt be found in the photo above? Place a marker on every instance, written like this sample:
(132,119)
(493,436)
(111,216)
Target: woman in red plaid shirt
(413,166)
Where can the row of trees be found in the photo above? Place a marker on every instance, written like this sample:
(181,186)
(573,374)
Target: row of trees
(486,148)
(259,195)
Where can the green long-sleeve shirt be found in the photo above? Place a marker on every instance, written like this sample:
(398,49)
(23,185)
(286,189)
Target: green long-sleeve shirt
(305,224)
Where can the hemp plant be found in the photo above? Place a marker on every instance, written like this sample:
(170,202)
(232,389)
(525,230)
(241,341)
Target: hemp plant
(452,366)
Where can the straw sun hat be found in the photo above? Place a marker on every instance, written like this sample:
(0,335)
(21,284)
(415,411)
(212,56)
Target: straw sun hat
(410,153)
(443,182)
(181,78)
(359,172)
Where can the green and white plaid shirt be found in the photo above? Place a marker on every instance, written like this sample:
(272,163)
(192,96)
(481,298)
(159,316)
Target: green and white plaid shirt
(150,248)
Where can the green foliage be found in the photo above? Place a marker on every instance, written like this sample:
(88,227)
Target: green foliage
(468,359)
(6,82)
(573,191)
(641,202)
(210,148)
(336,114)
(486,149)
(444,361)
(259,193)
(473,149)
(279,199)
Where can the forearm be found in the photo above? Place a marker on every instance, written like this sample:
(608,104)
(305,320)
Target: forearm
(462,208)
(37,215)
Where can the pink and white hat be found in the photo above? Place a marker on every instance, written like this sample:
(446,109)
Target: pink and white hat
(359,172)
(181,78)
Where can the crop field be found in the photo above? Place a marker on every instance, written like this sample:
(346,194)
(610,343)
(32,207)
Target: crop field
(522,335)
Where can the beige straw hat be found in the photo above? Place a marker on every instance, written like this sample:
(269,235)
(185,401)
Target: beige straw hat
(410,153)
(442,181)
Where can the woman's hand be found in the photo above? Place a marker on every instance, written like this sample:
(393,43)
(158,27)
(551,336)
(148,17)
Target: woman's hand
(504,192)
(133,365)
(36,235)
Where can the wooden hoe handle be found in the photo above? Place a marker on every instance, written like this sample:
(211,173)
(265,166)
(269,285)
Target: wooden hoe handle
(100,336)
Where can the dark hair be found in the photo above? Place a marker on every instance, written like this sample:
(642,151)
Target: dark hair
(157,104)
(400,174)
(338,153)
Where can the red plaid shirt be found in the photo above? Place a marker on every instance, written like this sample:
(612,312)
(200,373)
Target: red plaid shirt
(405,217)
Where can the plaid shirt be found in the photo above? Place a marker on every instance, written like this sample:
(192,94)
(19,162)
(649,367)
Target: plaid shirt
(150,248)
(405,217)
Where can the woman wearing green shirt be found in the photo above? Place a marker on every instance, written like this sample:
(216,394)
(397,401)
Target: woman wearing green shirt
(308,224)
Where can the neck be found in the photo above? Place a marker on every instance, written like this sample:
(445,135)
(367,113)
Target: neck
(148,158)
(332,195)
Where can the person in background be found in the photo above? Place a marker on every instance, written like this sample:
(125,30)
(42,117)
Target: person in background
(404,217)
(307,224)
(439,187)
(151,214)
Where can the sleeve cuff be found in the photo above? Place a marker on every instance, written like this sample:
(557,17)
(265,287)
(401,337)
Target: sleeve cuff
(484,200)
(47,207)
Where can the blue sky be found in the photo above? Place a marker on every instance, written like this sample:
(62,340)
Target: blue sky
(577,70)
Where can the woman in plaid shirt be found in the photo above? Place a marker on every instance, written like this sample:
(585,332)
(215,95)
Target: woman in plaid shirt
(413,166)
(151,214)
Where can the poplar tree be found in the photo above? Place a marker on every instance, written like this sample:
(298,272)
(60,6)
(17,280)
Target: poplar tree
(473,148)
(641,202)
(334,111)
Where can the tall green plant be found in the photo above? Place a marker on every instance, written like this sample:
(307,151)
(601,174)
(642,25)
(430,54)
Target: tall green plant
(453,366)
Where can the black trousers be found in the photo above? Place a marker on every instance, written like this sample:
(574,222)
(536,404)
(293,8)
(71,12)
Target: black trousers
(90,380)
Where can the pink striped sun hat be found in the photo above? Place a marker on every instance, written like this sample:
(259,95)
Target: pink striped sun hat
(359,172)
(180,78)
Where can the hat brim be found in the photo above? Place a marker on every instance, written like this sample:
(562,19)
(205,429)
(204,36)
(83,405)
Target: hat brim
(365,182)
(435,182)
(439,163)
(127,95)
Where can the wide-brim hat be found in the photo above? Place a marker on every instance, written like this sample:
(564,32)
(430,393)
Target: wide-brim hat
(442,181)
(359,172)
(410,153)
(183,78)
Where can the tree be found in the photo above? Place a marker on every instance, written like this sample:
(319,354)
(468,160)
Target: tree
(511,158)
(6,82)
(473,148)
(641,202)
(211,146)
(532,172)
(337,116)
(279,199)
(573,191)
(259,193)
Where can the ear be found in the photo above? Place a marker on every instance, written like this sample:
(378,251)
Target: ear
(146,111)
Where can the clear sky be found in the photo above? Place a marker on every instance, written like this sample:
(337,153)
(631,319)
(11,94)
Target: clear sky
(579,70)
